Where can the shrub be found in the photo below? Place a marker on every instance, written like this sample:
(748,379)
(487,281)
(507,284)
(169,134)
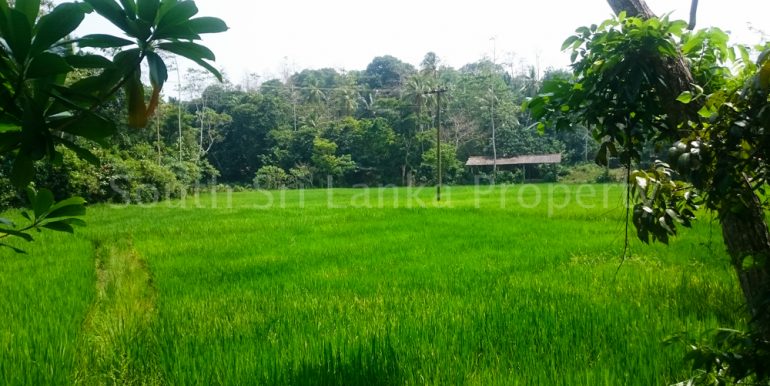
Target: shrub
(301,176)
(271,177)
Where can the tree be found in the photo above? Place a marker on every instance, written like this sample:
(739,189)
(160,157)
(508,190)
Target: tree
(451,167)
(346,96)
(246,138)
(417,92)
(643,80)
(212,126)
(430,64)
(386,72)
(325,161)
(483,95)
(370,144)
(43,110)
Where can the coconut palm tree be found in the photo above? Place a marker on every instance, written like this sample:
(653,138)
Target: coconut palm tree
(346,97)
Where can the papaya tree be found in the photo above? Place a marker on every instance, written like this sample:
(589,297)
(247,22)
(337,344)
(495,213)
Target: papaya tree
(644,82)
(52,85)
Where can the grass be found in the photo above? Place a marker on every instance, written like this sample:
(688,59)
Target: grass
(117,345)
(43,300)
(591,173)
(355,286)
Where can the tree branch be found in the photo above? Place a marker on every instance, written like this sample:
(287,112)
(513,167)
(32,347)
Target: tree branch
(693,15)
(675,71)
(633,8)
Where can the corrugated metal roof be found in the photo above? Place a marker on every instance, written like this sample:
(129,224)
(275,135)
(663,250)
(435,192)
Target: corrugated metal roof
(520,160)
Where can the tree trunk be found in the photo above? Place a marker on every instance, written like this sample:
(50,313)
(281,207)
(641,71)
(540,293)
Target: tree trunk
(747,239)
(674,71)
(634,8)
(744,228)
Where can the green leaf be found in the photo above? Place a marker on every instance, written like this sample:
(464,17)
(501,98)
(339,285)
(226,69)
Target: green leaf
(676,27)
(23,170)
(127,60)
(675,216)
(763,56)
(705,112)
(194,52)
(102,41)
(29,8)
(95,86)
(210,68)
(7,127)
(189,50)
(17,250)
(21,235)
(140,29)
(148,10)
(764,77)
(72,201)
(570,41)
(130,7)
(165,6)
(47,64)
(178,13)
(745,57)
(43,201)
(178,32)
(137,109)
(91,126)
(112,12)
(6,222)
(685,97)
(536,106)
(67,211)
(601,155)
(71,98)
(89,61)
(59,226)
(666,48)
(56,25)
(158,70)
(17,32)
(80,151)
(665,226)
(207,25)
(31,195)
(641,182)
(76,221)
(692,44)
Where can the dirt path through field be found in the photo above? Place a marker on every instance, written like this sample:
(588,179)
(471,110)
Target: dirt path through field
(117,343)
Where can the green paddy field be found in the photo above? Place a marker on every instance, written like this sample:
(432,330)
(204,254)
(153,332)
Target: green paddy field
(504,286)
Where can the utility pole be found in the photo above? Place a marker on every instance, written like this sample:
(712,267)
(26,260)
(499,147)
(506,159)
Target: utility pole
(157,128)
(438,93)
(179,105)
(494,135)
(493,98)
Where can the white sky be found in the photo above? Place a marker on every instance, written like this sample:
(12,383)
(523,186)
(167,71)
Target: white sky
(267,36)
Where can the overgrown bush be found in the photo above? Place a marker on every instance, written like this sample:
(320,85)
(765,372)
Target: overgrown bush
(508,176)
(301,176)
(122,176)
(271,178)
